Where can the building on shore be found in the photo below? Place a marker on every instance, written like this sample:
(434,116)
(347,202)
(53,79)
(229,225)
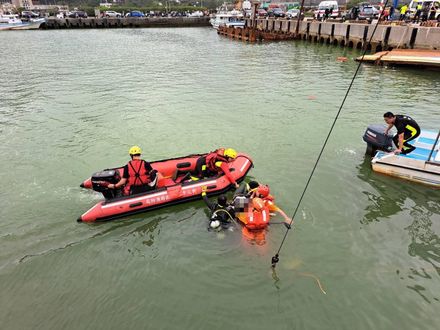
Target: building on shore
(27,4)
(9,6)
(6,7)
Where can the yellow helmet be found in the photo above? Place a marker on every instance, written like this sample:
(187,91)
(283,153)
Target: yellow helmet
(231,153)
(135,150)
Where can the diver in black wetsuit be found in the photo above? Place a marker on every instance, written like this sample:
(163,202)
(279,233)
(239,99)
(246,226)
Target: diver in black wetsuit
(407,130)
(222,214)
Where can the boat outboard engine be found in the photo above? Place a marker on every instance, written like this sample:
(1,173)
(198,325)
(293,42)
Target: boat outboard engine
(377,139)
(100,181)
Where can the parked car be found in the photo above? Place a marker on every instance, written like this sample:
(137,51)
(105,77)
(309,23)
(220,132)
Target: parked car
(261,12)
(177,14)
(197,13)
(368,13)
(77,14)
(292,13)
(275,12)
(27,14)
(351,14)
(112,13)
(361,13)
(135,13)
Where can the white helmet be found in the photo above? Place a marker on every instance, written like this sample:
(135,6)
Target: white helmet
(214,224)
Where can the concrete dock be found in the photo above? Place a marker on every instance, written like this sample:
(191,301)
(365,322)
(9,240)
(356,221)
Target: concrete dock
(354,35)
(124,22)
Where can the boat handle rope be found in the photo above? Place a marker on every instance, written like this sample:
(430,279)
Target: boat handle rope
(276,258)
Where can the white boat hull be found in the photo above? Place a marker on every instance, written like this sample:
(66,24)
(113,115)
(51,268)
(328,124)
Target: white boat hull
(32,25)
(228,19)
(421,166)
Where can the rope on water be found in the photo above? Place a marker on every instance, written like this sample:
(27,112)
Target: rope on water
(316,279)
(276,257)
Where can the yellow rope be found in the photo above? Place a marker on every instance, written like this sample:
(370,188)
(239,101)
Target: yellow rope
(316,279)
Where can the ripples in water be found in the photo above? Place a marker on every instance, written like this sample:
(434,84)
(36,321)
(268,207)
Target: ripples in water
(372,241)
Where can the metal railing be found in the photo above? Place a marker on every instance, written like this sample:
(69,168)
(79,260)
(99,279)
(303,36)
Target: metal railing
(433,147)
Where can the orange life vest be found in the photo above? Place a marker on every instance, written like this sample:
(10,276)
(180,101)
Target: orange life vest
(254,219)
(137,174)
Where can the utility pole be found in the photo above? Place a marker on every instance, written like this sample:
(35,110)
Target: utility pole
(301,11)
(255,5)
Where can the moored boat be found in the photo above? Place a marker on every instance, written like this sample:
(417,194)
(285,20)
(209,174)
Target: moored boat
(232,18)
(13,22)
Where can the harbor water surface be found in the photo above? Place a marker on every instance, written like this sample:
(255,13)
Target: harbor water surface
(365,249)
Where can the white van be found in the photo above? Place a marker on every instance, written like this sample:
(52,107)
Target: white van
(331,5)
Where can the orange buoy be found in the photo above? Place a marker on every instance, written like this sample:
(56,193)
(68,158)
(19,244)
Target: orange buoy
(341,59)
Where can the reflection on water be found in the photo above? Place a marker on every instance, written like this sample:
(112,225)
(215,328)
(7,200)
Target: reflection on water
(385,201)
(425,243)
(388,199)
(257,237)
(180,91)
(146,231)
(113,226)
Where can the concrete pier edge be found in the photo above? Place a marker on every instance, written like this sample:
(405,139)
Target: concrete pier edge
(354,35)
(124,22)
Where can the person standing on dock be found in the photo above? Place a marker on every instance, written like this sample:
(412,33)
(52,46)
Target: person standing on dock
(403,11)
(407,130)
(432,12)
(418,12)
(386,13)
(425,12)
(326,13)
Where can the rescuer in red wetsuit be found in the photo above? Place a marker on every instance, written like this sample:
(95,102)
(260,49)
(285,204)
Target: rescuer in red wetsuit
(138,175)
(217,162)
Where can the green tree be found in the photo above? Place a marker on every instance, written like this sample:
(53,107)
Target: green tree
(353,3)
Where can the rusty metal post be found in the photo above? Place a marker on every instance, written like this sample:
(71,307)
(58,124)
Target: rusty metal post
(301,12)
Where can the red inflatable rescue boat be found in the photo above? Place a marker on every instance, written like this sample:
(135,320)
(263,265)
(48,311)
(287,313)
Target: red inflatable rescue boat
(175,185)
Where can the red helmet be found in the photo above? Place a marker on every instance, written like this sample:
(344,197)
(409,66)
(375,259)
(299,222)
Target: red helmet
(263,191)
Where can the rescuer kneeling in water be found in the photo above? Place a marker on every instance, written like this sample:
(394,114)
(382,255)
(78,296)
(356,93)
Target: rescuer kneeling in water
(407,130)
(263,193)
(138,175)
(222,213)
(217,162)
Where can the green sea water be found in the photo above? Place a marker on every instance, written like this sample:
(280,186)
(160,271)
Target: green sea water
(365,250)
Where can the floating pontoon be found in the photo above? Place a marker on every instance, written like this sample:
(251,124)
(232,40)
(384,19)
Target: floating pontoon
(422,165)
(408,57)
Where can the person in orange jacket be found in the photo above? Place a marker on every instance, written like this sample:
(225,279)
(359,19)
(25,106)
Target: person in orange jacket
(263,192)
